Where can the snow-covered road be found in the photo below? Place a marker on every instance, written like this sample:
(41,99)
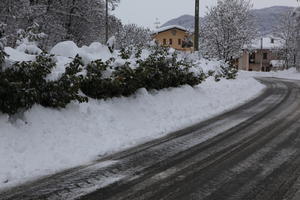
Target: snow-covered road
(248,153)
(45,141)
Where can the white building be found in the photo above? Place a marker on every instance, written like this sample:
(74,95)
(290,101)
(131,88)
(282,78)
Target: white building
(262,55)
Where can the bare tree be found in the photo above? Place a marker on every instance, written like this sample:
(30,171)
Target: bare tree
(287,32)
(77,20)
(228,27)
(132,35)
(296,15)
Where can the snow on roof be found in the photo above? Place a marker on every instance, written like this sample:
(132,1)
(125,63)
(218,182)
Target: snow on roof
(268,42)
(277,63)
(165,28)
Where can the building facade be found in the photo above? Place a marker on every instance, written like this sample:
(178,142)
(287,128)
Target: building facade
(176,37)
(262,55)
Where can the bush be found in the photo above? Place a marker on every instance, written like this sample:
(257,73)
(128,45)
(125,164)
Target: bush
(24,84)
(3,55)
(20,84)
(58,94)
(160,70)
(125,53)
(96,86)
(226,72)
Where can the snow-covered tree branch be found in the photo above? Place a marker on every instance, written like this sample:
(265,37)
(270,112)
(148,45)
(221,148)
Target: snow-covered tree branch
(287,32)
(227,29)
(132,34)
(296,15)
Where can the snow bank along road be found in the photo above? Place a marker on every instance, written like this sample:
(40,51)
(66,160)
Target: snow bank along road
(251,152)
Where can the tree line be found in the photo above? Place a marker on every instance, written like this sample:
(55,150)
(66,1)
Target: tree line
(80,21)
(228,27)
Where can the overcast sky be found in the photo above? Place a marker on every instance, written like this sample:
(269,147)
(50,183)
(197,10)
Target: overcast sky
(145,12)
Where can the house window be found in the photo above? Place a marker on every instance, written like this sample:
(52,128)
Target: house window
(272,40)
(250,70)
(164,41)
(265,56)
(170,41)
(179,41)
(252,58)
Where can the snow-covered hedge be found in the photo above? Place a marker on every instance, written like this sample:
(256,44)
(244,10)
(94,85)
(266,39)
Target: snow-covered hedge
(26,83)
(161,69)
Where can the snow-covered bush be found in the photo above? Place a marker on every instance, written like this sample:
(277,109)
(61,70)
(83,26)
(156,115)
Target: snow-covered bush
(227,72)
(20,84)
(98,86)
(161,69)
(99,74)
(28,39)
(111,43)
(59,93)
(126,53)
(24,84)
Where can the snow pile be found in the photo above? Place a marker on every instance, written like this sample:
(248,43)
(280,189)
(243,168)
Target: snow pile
(66,49)
(17,55)
(95,51)
(44,140)
(111,43)
(291,73)
(277,63)
(29,48)
(89,53)
(61,63)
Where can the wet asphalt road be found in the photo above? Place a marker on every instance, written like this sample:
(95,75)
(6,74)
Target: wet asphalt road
(249,153)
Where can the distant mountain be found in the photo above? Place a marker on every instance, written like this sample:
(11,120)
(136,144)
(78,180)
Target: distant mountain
(266,19)
(186,21)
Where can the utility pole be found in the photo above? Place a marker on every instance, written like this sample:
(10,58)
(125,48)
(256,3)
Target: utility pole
(261,52)
(197,28)
(106,21)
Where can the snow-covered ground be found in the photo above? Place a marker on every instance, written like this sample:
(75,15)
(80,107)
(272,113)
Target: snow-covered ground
(286,74)
(45,141)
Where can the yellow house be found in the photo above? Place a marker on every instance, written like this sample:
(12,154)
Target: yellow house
(174,36)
